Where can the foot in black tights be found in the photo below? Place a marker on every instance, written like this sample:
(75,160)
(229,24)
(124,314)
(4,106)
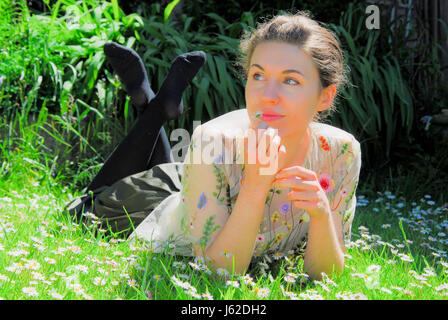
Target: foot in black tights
(132,73)
(182,71)
(132,154)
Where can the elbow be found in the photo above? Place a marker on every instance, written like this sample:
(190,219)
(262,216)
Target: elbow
(316,272)
(217,263)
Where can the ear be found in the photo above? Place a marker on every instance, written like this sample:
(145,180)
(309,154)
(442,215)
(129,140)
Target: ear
(326,97)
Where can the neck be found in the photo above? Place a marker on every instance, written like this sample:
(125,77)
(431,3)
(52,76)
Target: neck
(296,146)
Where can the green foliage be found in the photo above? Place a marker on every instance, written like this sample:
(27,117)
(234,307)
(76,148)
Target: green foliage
(169,8)
(326,10)
(218,87)
(377,106)
(53,64)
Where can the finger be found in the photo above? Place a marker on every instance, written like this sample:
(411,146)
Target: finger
(295,182)
(250,146)
(272,140)
(299,171)
(302,196)
(305,205)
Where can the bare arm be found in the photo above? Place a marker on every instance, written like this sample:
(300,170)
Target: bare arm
(326,243)
(238,235)
(234,241)
(324,250)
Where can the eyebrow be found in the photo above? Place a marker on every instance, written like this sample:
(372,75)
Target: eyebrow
(285,71)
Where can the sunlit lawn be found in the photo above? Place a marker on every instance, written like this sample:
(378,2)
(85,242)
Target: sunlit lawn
(44,255)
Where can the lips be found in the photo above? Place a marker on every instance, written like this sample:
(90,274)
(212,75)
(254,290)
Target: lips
(270,116)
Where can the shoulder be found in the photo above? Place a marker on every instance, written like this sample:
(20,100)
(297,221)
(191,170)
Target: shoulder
(331,136)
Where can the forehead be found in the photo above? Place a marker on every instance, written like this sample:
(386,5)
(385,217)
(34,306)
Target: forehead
(279,56)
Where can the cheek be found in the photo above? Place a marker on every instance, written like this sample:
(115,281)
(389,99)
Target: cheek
(249,96)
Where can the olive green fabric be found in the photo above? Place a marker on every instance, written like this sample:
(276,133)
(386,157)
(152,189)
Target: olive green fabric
(139,194)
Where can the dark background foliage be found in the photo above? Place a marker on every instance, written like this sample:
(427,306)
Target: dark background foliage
(416,149)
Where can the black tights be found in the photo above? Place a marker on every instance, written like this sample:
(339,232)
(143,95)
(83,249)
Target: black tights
(146,145)
(143,148)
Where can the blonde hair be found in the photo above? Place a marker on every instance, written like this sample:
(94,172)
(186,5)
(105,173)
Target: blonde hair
(310,36)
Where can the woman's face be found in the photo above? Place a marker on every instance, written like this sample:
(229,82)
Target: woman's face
(283,87)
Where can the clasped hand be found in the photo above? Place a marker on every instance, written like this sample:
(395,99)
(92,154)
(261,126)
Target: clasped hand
(306,191)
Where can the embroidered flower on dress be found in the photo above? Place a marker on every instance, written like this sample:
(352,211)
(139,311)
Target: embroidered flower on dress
(324,144)
(219,159)
(202,201)
(326,182)
(284,208)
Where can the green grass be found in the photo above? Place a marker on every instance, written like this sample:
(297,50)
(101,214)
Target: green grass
(45,255)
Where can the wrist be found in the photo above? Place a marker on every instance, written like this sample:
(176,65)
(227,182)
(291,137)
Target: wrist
(256,192)
(323,217)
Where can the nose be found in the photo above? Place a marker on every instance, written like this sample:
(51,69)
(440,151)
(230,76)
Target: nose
(270,92)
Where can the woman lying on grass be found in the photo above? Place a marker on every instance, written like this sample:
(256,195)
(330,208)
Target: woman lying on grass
(229,211)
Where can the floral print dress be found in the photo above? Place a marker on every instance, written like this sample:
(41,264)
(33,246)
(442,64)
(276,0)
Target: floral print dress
(198,212)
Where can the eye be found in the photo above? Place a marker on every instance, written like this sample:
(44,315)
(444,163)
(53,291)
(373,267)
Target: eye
(294,82)
(256,74)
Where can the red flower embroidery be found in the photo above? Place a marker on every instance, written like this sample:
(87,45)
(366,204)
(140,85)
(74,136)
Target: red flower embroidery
(326,182)
(324,145)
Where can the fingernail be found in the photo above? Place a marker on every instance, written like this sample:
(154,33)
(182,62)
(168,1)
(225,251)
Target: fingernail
(282,148)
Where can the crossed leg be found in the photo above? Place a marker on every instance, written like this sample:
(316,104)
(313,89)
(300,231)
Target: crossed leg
(146,144)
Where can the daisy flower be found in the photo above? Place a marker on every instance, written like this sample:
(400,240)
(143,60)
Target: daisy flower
(289,279)
(358,296)
(278,255)
(82,268)
(37,275)
(290,294)
(193,294)
(132,283)
(30,291)
(17,253)
(207,296)
(262,292)
(222,272)
(234,284)
(74,249)
(373,268)
(248,280)
(98,281)
(157,277)
(386,290)
(15,268)
(199,260)
(56,295)
(405,257)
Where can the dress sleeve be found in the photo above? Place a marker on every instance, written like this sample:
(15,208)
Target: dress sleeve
(205,188)
(346,172)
